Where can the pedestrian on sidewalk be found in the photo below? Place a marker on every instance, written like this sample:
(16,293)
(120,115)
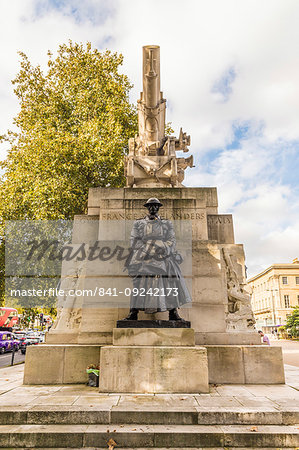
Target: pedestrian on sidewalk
(266,340)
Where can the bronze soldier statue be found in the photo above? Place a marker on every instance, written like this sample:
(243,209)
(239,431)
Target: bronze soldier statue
(158,284)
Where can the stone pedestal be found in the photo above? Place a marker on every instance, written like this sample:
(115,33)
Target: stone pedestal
(245,364)
(227,364)
(165,361)
(156,336)
(59,364)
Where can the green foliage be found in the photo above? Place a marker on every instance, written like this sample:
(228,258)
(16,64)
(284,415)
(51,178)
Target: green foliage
(292,324)
(2,273)
(29,315)
(72,133)
(74,124)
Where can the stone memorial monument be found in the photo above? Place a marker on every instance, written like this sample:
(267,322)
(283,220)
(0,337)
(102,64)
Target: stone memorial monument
(222,345)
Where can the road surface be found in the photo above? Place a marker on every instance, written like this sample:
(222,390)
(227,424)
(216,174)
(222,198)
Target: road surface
(5,359)
(290,350)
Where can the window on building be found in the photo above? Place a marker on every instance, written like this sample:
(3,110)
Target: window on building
(284,280)
(297,280)
(298,299)
(286,301)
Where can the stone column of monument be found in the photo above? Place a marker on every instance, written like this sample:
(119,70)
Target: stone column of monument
(221,314)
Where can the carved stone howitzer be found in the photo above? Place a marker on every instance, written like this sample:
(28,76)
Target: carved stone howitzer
(152,160)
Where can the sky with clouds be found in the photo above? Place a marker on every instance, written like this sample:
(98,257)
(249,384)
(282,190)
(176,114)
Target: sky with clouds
(229,72)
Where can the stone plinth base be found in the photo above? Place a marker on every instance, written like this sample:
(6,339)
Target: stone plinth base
(228,338)
(61,338)
(59,364)
(245,364)
(153,336)
(153,360)
(153,369)
(225,364)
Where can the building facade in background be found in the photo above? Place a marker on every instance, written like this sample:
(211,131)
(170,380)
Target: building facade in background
(273,294)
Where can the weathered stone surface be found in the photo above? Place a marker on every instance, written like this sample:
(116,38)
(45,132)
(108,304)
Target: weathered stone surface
(58,364)
(123,415)
(37,436)
(85,229)
(60,337)
(76,359)
(151,436)
(220,228)
(225,364)
(239,416)
(100,321)
(150,369)
(98,198)
(208,290)
(153,336)
(245,364)
(227,338)
(263,365)
(44,364)
(207,318)
(228,364)
(11,416)
(66,415)
(206,259)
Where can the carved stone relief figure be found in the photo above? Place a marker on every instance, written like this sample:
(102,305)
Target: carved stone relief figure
(239,316)
(69,308)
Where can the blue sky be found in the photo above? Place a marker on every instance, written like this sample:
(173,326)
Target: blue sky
(230,75)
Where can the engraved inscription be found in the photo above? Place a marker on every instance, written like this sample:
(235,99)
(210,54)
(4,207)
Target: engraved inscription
(176,215)
(221,220)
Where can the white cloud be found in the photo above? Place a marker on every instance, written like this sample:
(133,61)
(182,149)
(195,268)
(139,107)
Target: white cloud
(200,41)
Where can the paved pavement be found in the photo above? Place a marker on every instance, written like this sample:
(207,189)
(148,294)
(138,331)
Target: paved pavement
(273,397)
(290,350)
(77,416)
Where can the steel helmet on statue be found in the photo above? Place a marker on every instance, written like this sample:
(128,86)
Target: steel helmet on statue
(153,201)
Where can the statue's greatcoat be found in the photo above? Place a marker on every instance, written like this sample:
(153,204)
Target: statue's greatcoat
(154,267)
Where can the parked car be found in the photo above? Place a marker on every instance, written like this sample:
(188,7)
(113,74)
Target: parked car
(19,334)
(8,342)
(29,341)
(21,338)
(32,334)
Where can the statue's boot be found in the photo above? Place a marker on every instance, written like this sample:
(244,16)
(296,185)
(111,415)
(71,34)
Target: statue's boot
(174,315)
(133,315)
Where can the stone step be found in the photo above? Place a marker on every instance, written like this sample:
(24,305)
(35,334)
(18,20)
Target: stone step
(153,448)
(149,436)
(74,415)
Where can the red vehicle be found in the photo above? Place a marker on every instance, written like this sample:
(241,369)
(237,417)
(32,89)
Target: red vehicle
(8,317)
